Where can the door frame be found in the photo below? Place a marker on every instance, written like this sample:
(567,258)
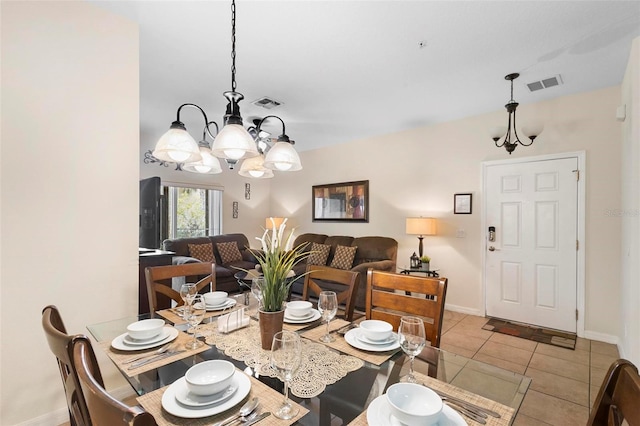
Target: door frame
(581,225)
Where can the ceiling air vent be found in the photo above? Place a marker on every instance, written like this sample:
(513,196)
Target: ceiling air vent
(556,80)
(267,103)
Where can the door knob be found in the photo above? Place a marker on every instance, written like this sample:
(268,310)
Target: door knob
(492,248)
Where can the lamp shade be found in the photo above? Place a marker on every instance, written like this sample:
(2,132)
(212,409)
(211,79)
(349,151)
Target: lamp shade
(421,226)
(254,168)
(276,220)
(234,142)
(177,146)
(283,157)
(207,165)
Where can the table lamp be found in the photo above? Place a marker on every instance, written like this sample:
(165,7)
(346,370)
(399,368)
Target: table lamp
(277,220)
(421,226)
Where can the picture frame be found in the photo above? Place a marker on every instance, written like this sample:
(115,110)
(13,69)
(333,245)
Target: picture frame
(462,203)
(340,202)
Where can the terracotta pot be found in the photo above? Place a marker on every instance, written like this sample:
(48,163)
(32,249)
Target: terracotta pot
(270,324)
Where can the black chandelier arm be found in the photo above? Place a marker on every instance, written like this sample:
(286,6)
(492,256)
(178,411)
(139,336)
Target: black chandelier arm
(207,130)
(180,125)
(273,116)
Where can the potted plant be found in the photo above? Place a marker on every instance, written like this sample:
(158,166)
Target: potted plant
(425,262)
(276,263)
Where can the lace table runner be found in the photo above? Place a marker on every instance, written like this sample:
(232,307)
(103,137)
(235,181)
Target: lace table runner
(320,365)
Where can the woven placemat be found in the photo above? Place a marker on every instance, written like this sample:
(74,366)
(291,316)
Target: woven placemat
(270,400)
(341,344)
(319,368)
(120,357)
(506,413)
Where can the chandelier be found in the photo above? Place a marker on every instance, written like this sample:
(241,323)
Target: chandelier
(233,143)
(511,141)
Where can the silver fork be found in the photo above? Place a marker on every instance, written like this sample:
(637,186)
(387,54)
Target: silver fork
(159,351)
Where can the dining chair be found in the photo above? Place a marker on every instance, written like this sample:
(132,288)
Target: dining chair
(159,285)
(60,344)
(103,408)
(345,283)
(384,302)
(619,396)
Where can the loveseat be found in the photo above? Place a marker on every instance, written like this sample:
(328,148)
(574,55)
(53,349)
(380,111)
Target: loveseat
(379,253)
(222,248)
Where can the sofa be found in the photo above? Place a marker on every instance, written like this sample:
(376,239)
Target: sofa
(225,270)
(379,253)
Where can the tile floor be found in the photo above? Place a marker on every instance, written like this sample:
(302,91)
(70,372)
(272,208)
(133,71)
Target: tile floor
(564,382)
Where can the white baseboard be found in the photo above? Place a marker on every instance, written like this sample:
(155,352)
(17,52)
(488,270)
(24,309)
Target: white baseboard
(60,416)
(464,310)
(602,337)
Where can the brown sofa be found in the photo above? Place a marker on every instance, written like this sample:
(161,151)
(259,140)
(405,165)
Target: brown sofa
(225,280)
(379,253)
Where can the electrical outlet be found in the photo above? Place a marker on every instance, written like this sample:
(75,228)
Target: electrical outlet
(461,233)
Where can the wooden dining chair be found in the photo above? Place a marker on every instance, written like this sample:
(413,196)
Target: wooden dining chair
(384,302)
(343,282)
(60,344)
(103,408)
(159,282)
(618,399)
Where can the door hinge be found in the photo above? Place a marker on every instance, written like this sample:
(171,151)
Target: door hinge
(577,172)
(577,245)
(576,315)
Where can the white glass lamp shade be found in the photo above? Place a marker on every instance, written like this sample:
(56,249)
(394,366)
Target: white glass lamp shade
(498,132)
(254,168)
(421,226)
(177,146)
(207,165)
(283,157)
(533,129)
(233,143)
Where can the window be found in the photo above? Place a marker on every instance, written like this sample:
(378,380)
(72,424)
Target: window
(193,212)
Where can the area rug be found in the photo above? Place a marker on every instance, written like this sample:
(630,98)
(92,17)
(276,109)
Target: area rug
(532,332)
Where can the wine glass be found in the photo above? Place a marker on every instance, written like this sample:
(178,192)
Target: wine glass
(187,291)
(194,315)
(411,336)
(256,290)
(286,354)
(328,306)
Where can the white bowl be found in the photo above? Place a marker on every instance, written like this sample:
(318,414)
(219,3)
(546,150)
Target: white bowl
(299,308)
(215,298)
(414,404)
(209,377)
(145,329)
(376,330)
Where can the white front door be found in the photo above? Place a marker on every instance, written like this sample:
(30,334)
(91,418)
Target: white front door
(530,268)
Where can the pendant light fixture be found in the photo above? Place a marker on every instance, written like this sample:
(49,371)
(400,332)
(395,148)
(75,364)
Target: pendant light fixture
(510,142)
(281,156)
(208,164)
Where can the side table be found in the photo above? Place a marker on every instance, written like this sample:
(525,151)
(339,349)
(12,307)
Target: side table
(428,273)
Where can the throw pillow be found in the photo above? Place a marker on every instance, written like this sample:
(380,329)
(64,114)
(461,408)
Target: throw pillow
(229,252)
(202,252)
(343,257)
(319,254)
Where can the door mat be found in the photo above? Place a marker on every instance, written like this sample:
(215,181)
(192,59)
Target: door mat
(531,332)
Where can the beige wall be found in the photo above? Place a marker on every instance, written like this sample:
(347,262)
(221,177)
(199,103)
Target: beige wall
(69,156)
(630,213)
(416,173)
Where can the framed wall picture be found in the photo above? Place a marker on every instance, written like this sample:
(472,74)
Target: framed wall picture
(462,203)
(341,202)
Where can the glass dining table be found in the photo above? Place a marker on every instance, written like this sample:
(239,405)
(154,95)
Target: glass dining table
(350,396)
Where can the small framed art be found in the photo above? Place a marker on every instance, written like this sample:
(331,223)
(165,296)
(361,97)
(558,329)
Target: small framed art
(462,203)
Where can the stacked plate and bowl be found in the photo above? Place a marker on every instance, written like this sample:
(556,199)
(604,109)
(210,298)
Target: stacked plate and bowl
(300,312)
(144,334)
(218,300)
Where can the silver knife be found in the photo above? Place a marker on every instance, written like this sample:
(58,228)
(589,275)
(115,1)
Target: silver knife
(153,359)
(257,419)
(466,404)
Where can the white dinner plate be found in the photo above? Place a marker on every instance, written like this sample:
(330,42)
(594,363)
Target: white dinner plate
(379,412)
(128,340)
(118,342)
(351,337)
(189,399)
(364,339)
(229,303)
(171,404)
(295,320)
(303,317)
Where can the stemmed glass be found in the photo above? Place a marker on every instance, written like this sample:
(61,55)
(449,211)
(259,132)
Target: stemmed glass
(256,290)
(328,306)
(286,354)
(411,336)
(194,316)
(187,291)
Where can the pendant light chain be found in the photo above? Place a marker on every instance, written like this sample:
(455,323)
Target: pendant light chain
(233,46)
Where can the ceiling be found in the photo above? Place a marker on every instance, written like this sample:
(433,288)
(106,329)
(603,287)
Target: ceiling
(347,70)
